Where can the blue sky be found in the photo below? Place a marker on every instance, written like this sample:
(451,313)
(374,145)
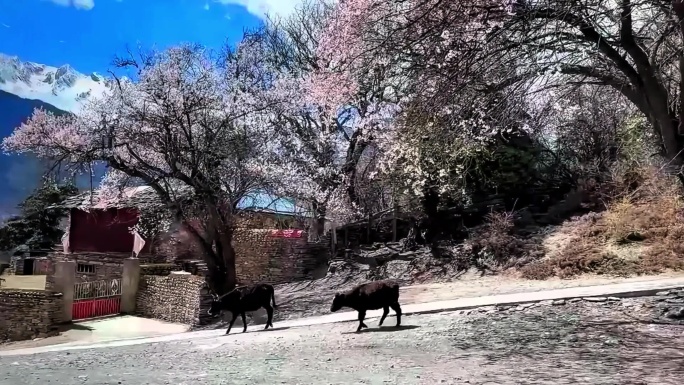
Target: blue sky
(87,33)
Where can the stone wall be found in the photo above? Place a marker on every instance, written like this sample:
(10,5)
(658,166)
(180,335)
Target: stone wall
(103,266)
(162,269)
(28,314)
(16,265)
(178,298)
(263,258)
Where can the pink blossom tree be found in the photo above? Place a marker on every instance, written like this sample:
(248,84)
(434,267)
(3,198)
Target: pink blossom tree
(330,147)
(630,46)
(194,127)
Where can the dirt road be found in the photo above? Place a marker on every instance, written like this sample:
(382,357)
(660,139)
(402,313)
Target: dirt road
(576,343)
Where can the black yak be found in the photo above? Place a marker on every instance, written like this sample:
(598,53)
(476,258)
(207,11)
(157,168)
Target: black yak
(370,296)
(243,299)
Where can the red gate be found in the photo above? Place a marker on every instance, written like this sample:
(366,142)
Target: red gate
(96,299)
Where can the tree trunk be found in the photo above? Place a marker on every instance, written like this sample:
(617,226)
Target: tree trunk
(220,259)
(318,223)
(226,253)
(430,203)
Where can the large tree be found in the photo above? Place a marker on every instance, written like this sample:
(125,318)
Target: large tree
(37,227)
(632,46)
(193,126)
(339,128)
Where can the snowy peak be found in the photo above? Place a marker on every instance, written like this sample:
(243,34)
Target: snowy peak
(63,87)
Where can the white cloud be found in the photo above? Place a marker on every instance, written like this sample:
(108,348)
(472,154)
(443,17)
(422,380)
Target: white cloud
(206,6)
(5,25)
(262,7)
(78,4)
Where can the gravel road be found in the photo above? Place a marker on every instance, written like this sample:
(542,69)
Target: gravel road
(576,343)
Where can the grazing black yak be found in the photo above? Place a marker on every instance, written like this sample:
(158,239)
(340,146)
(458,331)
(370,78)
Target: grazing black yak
(370,296)
(244,299)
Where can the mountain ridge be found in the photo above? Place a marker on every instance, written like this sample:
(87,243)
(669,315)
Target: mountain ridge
(25,86)
(62,87)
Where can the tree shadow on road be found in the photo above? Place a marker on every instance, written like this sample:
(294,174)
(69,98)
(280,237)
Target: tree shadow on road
(574,345)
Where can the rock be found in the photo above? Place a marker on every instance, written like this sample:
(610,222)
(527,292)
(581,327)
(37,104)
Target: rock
(407,255)
(614,299)
(677,314)
(575,300)
(572,338)
(663,293)
(547,302)
(595,299)
(385,254)
(558,302)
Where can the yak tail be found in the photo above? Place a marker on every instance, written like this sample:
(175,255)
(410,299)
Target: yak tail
(273,297)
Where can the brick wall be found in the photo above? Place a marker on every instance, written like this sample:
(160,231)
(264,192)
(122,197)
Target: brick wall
(262,258)
(28,314)
(179,298)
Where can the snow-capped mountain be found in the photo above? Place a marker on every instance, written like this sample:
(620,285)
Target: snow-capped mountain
(62,87)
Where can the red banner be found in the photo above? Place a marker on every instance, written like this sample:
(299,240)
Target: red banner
(287,233)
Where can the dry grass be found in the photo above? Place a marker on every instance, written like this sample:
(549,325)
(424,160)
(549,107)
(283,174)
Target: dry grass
(639,233)
(496,246)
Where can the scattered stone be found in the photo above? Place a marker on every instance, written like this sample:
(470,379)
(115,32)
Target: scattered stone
(523,306)
(673,300)
(547,302)
(558,302)
(663,293)
(614,299)
(574,300)
(595,299)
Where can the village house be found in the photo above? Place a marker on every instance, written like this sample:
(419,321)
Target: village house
(270,240)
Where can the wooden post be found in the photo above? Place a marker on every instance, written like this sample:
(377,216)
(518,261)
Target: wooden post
(346,239)
(368,231)
(394,223)
(333,238)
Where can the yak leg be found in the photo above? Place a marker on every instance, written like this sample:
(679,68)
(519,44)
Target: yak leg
(244,322)
(397,309)
(232,321)
(269,312)
(362,315)
(385,311)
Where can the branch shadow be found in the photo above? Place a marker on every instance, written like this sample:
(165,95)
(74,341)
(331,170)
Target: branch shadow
(239,331)
(385,329)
